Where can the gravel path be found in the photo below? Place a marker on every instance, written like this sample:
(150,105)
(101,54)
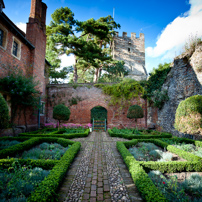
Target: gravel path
(98,173)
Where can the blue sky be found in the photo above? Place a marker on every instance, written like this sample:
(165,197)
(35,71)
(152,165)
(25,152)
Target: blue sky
(167,24)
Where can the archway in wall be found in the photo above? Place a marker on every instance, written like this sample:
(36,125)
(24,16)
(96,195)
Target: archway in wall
(99,118)
(98,113)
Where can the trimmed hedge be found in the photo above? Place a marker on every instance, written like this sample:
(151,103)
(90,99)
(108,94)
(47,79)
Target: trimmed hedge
(139,169)
(130,137)
(13,150)
(144,184)
(46,191)
(58,134)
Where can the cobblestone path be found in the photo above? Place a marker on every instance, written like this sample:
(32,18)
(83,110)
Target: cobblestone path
(98,173)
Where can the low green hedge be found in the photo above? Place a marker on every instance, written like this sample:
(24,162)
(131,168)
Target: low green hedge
(139,169)
(172,167)
(144,184)
(130,137)
(46,191)
(13,150)
(57,134)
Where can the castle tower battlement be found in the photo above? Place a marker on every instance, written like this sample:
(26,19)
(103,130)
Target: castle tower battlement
(132,51)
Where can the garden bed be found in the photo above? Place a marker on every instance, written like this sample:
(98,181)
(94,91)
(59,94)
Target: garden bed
(184,186)
(137,134)
(46,190)
(47,151)
(143,151)
(139,169)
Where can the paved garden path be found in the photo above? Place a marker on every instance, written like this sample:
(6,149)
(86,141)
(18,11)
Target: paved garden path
(98,173)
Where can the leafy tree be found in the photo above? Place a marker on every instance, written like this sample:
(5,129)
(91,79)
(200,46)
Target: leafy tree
(86,40)
(114,72)
(22,91)
(135,112)
(55,71)
(4,113)
(61,112)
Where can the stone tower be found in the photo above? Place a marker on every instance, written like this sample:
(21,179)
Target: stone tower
(132,51)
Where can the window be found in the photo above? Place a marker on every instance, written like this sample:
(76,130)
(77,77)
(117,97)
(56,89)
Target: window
(42,110)
(128,49)
(16,48)
(3,37)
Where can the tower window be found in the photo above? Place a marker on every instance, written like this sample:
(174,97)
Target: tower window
(128,49)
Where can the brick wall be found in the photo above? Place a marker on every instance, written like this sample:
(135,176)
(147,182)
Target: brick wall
(89,97)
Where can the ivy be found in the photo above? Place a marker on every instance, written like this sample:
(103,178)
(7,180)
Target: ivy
(124,92)
(153,85)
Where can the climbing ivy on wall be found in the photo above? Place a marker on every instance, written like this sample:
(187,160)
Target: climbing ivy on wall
(153,85)
(124,92)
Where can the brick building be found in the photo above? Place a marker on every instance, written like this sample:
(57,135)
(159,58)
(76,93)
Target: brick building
(25,51)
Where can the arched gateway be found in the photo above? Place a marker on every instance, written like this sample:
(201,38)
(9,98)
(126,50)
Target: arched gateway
(99,118)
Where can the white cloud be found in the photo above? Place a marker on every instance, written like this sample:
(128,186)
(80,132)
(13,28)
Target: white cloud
(174,36)
(67,60)
(22,26)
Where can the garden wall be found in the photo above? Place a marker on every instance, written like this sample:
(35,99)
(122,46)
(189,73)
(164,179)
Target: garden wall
(184,80)
(81,98)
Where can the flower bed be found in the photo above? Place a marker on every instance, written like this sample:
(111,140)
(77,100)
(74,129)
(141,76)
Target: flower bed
(139,169)
(143,151)
(17,181)
(45,151)
(46,190)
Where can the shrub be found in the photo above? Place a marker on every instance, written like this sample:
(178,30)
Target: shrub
(188,117)
(4,113)
(135,112)
(61,112)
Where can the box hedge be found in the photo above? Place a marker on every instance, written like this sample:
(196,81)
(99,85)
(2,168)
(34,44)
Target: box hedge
(130,137)
(139,169)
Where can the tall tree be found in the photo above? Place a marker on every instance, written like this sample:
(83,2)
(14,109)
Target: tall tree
(86,40)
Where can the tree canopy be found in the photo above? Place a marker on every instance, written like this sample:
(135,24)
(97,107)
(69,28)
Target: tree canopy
(88,40)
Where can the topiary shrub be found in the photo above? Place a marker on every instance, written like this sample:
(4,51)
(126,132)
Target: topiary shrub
(188,117)
(135,112)
(61,112)
(4,113)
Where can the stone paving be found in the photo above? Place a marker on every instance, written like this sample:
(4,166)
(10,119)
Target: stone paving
(98,173)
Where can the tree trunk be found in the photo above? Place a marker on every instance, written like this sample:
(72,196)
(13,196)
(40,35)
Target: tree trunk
(75,77)
(96,75)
